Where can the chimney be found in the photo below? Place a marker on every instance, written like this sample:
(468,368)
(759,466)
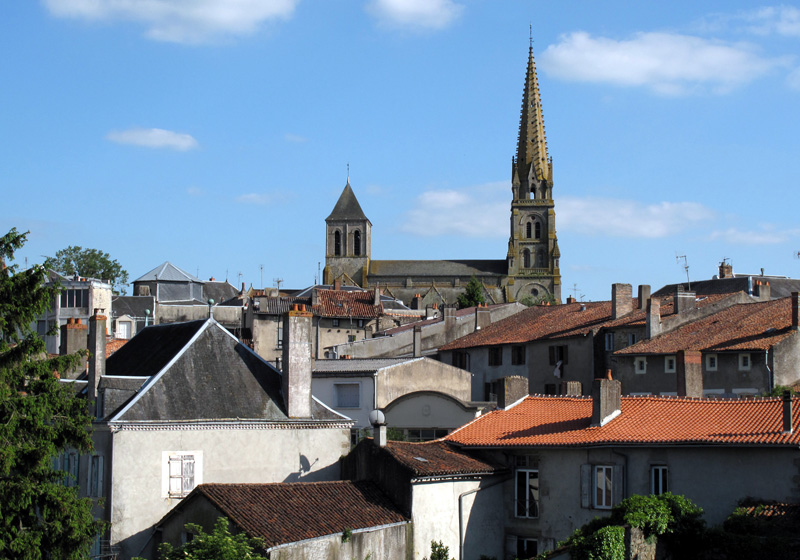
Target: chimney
(725,270)
(449,319)
(97,358)
(296,380)
(571,299)
(644,295)
(511,389)
(621,300)
(684,301)
(653,319)
(570,388)
(242,287)
(376,297)
(74,337)
(690,374)
(378,421)
(787,412)
(606,401)
(417,341)
(483,317)
(762,290)
(416,303)
(337,284)
(795,311)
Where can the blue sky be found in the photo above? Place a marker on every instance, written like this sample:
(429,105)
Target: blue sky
(216,134)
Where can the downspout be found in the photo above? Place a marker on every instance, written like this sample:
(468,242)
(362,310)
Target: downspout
(771,378)
(461,512)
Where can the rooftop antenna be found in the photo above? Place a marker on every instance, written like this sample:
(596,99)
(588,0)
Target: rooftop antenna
(797,254)
(318,278)
(348,172)
(530,31)
(685,267)
(277,283)
(239,276)
(262,275)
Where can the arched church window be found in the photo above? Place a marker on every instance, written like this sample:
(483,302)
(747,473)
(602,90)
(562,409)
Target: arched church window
(537,231)
(526,258)
(541,258)
(337,244)
(357,243)
(528,227)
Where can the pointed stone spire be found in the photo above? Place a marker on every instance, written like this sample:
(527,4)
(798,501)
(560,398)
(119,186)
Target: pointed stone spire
(533,163)
(347,207)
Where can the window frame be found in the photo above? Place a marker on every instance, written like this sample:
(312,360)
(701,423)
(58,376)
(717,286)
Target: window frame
(607,490)
(191,472)
(659,479)
(745,361)
(609,341)
(640,365)
(527,510)
(670,368)
(495,356)
(518,354)
(709,358)
(631,339)
(337,396)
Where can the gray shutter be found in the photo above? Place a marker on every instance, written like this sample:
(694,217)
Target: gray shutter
(100,473)
(511,546)
(619,483)
(586,486)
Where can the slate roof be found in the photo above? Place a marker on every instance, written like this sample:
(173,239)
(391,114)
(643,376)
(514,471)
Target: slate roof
(219,291)
(168,272)
(357,365)
(151,349)
(541,421)
(345,304)
(134,306)
(437,458)
(278,305)
(741,327)
(284,513)
(446,268)
(347,207)
(779,286)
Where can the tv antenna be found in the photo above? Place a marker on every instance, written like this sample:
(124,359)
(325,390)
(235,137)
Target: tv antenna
(685,267)
(261,266)
(277,283)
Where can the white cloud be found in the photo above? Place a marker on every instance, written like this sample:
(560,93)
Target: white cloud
(767,236)
(628,218)
(480,211)
(667,63)
(768,20)
(793,79)
(295,138)
(180,21)
(428,14)
(153,138)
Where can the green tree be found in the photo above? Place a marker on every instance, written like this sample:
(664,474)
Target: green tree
(40,517)
(473,294)
(220,544)
(439,551)
(89,263)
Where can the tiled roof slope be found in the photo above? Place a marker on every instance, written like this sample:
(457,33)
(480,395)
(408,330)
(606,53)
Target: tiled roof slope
(289,512)
(278,305)
(444,269)
(437,458)
(746,326)
(561,321)
(358,365)
(540,421)
(344,304)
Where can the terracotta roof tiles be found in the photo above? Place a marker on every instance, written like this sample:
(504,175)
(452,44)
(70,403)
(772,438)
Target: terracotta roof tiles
(437,458)
(340,303)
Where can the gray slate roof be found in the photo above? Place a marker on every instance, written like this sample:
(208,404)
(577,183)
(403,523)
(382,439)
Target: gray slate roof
(219,291)
(347,207)
(133,306)
(168,272)
(780,287)
(357,365)
(448,268)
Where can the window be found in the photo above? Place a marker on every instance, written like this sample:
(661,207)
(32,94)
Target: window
(640,364)
(528,228)
(669,364)
(348,395)
(609,341)
(659,479)
(527,493)
(603,476)
(337,244)
(351,338)
(357,243)
(75,298)
(459,359)
(416,434)
(744,362)
(527,548)
(181,471)
(124,329)
(279,342)
(526,258)
(537,230)
(41,328)
(496,356)
(631,339)
(361,323)
(96,476)
(541,258)
(335,322)
(711,362)
(490,391)
(517,355)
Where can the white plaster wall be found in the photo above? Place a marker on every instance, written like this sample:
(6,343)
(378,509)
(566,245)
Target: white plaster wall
(422,374)
(427,410)
(436,518)
(387,543)
(229,455)
(323,388)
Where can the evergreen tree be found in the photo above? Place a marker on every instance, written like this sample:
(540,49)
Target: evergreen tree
(40,517)
(89,263)
(473,294)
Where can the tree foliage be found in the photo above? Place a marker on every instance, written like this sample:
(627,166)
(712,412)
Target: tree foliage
(220,544)
(40,417)
(472,295)
(89,263)
(439,551)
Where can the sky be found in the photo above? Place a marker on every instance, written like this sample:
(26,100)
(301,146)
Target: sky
(217,134)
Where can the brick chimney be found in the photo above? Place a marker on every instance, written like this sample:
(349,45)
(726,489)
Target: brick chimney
(606,400)
(416,302)
(511,389)
(788,425)
(644,295)
(449,320)
(795,311)
(337,283)
(482,317)
(684,301)
(74,337)
(296,376)
(762,291)
(417,341)
(690,374)
(621,300)
(652,319)
(570,388)
(725,270)
(97,355)
(571,299)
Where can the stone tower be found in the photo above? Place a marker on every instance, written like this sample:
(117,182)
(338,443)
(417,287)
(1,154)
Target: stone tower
(533,253)
(348,235)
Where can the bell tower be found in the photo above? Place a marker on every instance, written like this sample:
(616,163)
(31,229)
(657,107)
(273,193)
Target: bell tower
(348,240)
(533,253)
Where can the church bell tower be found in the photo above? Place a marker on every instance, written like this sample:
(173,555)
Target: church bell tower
(533,253)
(348,241)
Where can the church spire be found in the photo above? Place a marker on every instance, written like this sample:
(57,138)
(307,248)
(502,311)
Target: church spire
(534,167)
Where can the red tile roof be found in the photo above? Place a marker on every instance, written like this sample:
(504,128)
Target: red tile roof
(114,344)
(565,422)
(289,512)
(745,326)
(437,458)
(562,321)
(342,304)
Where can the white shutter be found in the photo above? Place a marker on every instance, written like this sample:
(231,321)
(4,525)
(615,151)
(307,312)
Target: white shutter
(188,474)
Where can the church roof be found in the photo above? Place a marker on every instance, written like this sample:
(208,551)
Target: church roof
(532,144)
(347,207)
(168,272)
(448,268)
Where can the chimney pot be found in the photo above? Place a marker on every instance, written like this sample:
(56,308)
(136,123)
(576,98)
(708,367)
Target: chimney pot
(788,426)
